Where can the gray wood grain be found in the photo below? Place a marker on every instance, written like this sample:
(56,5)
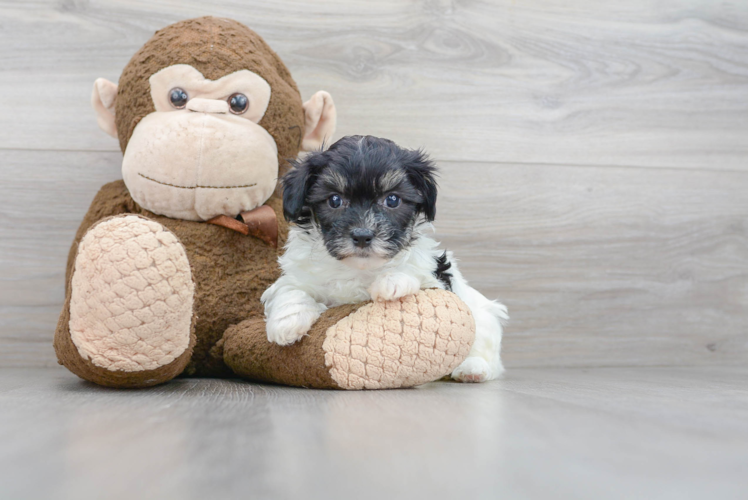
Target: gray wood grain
(46,194)
(592,83)
(674,433)
(599,266)
(605,266)
(594,155)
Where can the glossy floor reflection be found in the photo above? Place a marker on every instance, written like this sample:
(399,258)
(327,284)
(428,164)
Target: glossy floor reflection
(545,433)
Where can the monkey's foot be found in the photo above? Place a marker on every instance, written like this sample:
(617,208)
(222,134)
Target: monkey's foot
(383,345)
(131,298)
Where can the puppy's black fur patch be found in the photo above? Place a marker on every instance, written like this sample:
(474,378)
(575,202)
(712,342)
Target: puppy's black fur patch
(442,266)
(363,171)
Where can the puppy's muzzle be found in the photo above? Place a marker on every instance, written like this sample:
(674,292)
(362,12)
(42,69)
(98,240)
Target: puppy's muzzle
(362,237)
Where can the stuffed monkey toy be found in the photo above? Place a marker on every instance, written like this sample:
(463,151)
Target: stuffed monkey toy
(165,274)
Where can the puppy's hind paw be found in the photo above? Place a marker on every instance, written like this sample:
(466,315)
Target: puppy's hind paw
(474,370)
(393,286)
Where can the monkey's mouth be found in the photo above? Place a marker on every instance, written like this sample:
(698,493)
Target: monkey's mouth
(196,187)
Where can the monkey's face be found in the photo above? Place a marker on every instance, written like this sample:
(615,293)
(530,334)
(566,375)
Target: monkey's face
(207,115)
(202,152)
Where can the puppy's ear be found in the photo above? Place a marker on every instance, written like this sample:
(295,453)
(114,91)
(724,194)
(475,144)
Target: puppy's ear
(298,181)
(421,173)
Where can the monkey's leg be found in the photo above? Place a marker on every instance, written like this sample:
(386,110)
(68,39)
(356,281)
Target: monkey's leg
(402,343)
(128,315)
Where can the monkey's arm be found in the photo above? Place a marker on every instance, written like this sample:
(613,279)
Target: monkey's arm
(382,345)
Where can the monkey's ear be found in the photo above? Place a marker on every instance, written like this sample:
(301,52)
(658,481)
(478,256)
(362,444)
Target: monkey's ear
(297,182)
(320,118)
(103,100)
(421,172)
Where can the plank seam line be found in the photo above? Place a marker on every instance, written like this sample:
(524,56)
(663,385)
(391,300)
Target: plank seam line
(477,162)
(596,165)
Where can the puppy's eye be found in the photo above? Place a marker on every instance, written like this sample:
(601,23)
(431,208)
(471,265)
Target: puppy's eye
(392,201)
(178,98)
(238,103)
(335,201)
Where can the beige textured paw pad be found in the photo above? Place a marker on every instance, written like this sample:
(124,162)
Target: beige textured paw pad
(401,343)
(132,295)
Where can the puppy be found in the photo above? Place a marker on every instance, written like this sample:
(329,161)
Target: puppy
(361,211)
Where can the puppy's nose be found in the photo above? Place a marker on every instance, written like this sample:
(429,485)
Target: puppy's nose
(362,237)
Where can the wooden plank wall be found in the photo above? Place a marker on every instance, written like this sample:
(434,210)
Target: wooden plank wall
(594,154)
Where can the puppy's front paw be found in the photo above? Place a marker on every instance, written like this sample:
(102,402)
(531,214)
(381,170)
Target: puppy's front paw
(287,329)
(393,286)
(473,370)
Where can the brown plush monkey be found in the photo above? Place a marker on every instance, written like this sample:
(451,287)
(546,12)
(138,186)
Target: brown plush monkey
(166,271)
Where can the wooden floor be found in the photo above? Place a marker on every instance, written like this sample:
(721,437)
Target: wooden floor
(608,433)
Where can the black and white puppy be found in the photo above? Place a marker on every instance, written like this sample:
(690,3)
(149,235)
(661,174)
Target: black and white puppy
(361,211)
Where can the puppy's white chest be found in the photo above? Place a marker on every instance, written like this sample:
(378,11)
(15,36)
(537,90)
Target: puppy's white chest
(345,287)
(332,282)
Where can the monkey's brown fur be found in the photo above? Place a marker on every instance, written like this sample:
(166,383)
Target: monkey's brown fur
(216,47)
(230,270)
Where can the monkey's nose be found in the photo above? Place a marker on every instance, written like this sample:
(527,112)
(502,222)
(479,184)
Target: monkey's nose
(200,105)
(362,237)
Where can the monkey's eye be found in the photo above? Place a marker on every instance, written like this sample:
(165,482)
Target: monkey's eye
(238,103)
(178,98)
(392,201)
(335,201)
